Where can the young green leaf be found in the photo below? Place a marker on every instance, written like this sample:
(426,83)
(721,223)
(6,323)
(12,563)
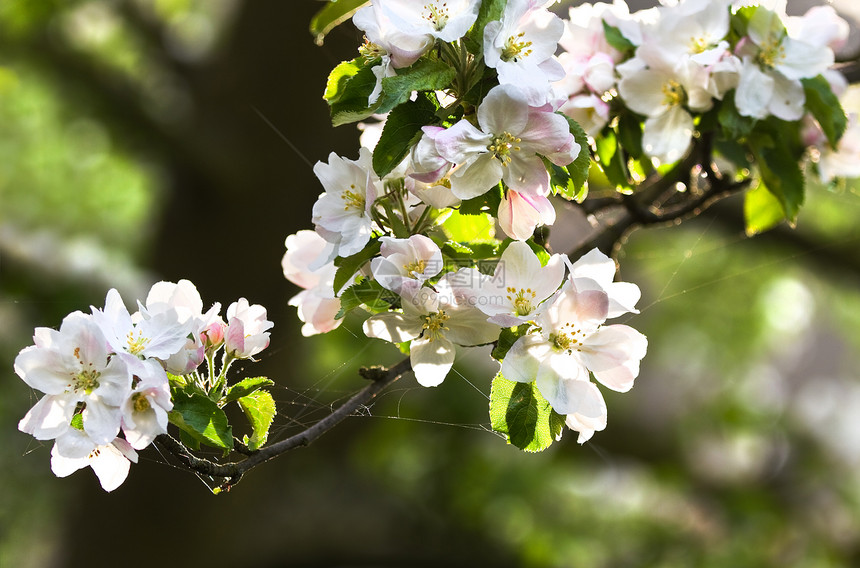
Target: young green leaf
(349,265)
(735,126)
(402,130)
(762,210)
(825,107)
(425,75)
(365,292)
(616,39)
(245,387)
(470,228)
(199,417)
(780,172)
(259,408)
(333,14)
(347,91)
(519,411)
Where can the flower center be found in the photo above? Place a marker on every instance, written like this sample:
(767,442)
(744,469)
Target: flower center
(87,381)
(139,402)
(370,50)
(502,146)
(772,52)
(416,268)
(436,15)
(515,48)
(698,44)
(136,344)
(565,338)
(434,324)
(353,199)
(522,300)
(673,93)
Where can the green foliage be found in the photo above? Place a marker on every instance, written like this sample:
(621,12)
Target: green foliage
(333,14)
(347,91)
(259,408)
(778,167)
(366,292)
(486,203)
(610,157)
(467,229)
(402,130)
(424,75)
(616,39)
(348,266)
(490,11)
(825,107)
(201,419)
(245,387)
(519,411)
(762,210)
(734,125)
(506,340)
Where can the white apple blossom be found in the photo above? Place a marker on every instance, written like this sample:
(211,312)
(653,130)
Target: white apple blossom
(521,213)
(434,321)
(512,295)
(507,147)
(183,299)
(569,344)
(110,462)
(317,305)
(521,48)
(663,89)
(342,214)
(596,271)
(160,335)
(406,262)
(144,412)
(247,330)
(773,65)
(73,366)
(445,20)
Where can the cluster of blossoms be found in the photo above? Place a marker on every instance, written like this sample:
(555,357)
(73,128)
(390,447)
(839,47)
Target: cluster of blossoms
(680,61)
(412,240)
(109,376)
(488,109)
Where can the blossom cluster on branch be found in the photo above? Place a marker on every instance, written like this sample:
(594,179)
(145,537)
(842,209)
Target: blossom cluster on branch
(113,380)
(436,233)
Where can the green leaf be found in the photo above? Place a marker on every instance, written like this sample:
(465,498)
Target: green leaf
(402,130)
(199,417)
(741,19)
(474,251)
(488,202)
(616,39)
(611,159)
(347,91)
(575,187)
(424,75)
(490,11)
(348,266)
(825,107)
(519,411)
(259,408)
(780,172)
(506,340)
(365,292)
(78,421)
(245,387)
(332,15)
(630,134)
(734,125)
(762,210)
(470,228)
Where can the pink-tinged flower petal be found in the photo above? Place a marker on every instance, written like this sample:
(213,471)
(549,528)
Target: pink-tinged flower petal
(431,360)
(49,417)
(563,383)
(476,177)
(548,134)
(462,141)
(523,360)
(504,109)
(613,354)
(520,213)
(391,327)
(527,174)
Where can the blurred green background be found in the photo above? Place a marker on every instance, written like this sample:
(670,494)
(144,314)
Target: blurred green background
(168,139)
